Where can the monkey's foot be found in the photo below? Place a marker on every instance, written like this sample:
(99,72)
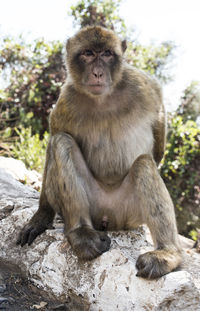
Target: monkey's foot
(155,264)
(88,243)
(30,232)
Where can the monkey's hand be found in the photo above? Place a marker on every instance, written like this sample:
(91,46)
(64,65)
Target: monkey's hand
(30,232)
(155,264)
(88,243)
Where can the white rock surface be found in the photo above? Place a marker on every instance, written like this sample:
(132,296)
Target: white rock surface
(19,171)
(105,284)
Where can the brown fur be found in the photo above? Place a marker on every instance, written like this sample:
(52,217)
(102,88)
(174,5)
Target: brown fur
(101,160)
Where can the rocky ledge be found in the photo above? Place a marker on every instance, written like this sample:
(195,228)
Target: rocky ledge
(108,283)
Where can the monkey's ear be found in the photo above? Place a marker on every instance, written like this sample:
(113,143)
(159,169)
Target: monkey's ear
(124,46)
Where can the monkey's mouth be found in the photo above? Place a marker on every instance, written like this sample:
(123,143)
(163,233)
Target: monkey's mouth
(97,88)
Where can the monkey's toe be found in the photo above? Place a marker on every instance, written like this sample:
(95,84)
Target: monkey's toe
(23,236)
(105,242)
(155,264)
(150,266)
(28,234)
(88,243)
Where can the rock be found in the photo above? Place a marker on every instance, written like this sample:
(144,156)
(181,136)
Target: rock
(108,283)
(3,299)
(19,171)
(60,307)
(11,188)
(2,288)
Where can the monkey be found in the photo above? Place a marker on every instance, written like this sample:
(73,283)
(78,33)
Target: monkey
(107,138)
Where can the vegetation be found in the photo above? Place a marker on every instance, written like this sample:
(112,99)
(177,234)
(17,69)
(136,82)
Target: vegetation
(181,167)
(181,172)
(189,107)
(33,74)
(99,12)
(30,148)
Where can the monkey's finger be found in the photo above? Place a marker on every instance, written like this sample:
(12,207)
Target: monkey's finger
(95,251)
(24,236)
(34,233)
(19,239)
(151,272)
(104,243)
(106,246)
(105,238)
(140,264)
(142,273)
(99,249)
(96,248)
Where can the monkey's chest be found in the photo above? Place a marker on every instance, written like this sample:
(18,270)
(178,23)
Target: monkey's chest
(110,153)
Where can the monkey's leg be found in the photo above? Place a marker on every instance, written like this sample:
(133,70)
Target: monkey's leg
(42,219)
(70,188)
(155,208)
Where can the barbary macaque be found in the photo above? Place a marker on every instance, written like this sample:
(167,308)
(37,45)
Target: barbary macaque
(107,139)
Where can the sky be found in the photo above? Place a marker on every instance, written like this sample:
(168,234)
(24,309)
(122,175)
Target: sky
(154,21)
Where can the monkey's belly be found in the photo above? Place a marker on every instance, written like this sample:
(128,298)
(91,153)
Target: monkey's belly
(107,206)
(110,160)
(109,210)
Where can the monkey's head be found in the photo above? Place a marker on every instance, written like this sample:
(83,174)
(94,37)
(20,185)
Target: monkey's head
(94,60)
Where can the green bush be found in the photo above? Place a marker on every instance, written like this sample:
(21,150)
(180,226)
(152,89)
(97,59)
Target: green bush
(189,108)
(181,172)
(30,149)
(34,74)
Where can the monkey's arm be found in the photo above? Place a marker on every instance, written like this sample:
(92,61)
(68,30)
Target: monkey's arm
(41,220)
(159,133)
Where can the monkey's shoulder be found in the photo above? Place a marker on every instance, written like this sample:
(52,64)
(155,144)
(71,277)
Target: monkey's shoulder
(141,86)
(57,119)
(138,77)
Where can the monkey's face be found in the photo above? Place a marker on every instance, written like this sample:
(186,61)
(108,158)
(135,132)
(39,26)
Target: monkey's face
(97,65)
(94,60)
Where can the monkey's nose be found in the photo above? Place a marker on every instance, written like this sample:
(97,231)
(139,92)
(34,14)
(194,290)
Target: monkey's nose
(98,72)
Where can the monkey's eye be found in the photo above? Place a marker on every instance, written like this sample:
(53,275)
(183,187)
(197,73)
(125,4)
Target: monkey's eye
(107,53)
(88,53)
